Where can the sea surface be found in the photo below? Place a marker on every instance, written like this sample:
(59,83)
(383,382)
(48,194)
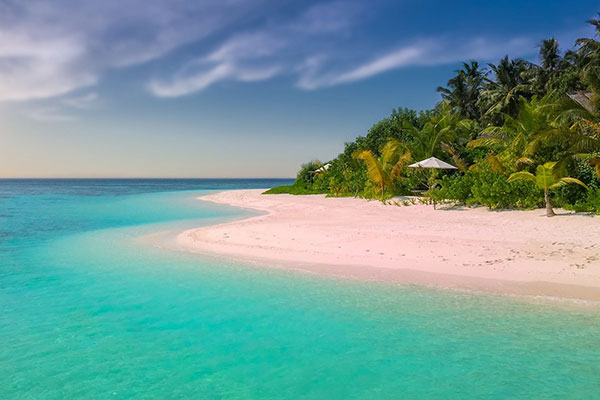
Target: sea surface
(90,309)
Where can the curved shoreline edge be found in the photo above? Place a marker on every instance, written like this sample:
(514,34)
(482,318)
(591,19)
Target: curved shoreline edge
(507,252)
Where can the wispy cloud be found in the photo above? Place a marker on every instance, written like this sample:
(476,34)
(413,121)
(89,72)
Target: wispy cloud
(320,48)
(428,52)
(398,58)
(262,53)
(51,48)
(241,58)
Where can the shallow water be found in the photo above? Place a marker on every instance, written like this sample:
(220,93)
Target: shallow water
(87,310)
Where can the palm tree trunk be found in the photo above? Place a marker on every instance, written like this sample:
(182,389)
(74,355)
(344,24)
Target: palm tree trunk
(549,210)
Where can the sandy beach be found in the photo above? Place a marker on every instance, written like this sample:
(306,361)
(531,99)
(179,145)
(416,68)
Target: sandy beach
(509,252)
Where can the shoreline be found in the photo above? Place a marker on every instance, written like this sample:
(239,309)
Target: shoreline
(518,253)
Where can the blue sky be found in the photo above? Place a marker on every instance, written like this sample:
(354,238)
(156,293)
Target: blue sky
(235,88)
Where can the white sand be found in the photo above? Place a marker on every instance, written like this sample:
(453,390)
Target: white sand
(520,252)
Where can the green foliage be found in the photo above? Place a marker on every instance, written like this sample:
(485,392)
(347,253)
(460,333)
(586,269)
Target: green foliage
(487,188)
(396,126)
(306,177)
(545,177)
(571,194)
(291,189)
(383,171)
(494,122)
(492,189)
(456,187)
(591,203)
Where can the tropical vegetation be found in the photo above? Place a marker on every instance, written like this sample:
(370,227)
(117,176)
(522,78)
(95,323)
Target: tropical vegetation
(503,125)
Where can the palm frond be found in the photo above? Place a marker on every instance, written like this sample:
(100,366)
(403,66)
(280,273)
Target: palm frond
(374,170)
(521,176)
(524,161)
(495,163)
(483,142)
(595,162)
(573,180)
(400,165)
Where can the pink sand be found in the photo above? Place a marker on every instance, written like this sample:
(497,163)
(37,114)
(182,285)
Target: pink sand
(521,252)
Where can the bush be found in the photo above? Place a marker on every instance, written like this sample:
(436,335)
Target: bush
(491,189)
(590,204)
(406,185)
(455,187)
(292,189)
(488,188)
(571,194)
(306,176)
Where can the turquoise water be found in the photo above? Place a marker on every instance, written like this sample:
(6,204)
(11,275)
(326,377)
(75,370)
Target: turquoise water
(88,309)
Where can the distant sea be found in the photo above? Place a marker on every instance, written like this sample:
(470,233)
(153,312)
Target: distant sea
(89,309)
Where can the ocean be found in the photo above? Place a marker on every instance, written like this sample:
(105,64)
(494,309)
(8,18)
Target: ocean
(90,308)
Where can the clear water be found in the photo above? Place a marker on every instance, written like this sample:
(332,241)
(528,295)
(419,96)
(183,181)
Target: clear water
(88,310)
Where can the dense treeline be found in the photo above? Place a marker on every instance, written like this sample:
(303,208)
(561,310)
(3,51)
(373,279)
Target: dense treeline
(513,129)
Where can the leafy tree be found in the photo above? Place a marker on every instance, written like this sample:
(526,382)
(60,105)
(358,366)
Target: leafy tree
(394,126)
(545,179)
(306,176)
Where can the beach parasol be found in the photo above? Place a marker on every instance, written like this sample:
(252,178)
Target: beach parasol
(432,162)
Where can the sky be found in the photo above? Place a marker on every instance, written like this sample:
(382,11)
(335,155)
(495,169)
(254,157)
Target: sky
(236,88)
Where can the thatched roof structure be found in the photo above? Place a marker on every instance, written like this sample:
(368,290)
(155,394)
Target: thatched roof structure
(582,97)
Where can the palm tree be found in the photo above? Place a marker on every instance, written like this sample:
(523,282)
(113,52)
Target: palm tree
(386,168)
(462,91)
(545,179)
(543,77)
(443,128)
(511,82)
(589,50)
(574,136)
(515,138)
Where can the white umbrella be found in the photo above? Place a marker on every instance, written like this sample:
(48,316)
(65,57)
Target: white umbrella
(432,162)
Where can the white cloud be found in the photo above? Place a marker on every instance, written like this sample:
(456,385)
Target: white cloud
(263,53)
(48,49)
(53,49)
(393,60)
(39,64)
(183,84)
(235,59)
(428,52)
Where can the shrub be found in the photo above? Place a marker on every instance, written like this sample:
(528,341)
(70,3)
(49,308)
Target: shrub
(292,189)
(571,194)
(590,204)
(492,190)
(456,187)
(306,176)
